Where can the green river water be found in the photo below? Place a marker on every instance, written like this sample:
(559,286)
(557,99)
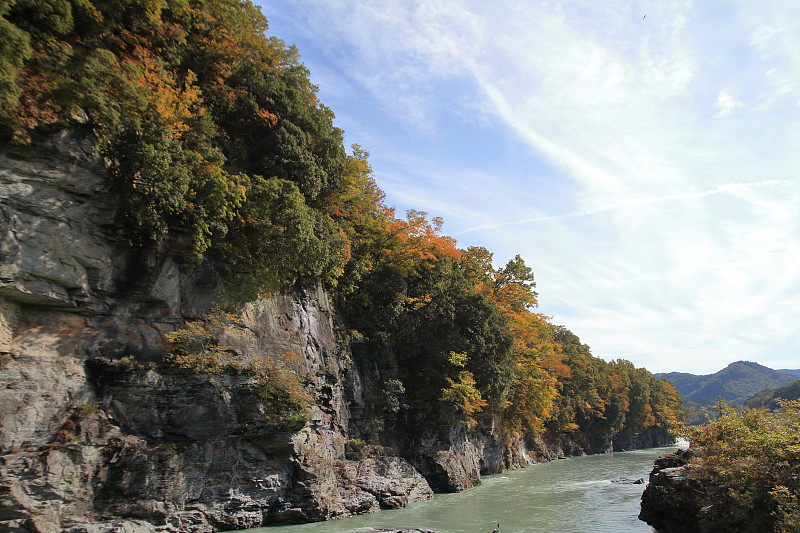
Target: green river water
(573,495)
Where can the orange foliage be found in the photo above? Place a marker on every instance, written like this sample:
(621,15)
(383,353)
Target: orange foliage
(268,117)
(538,360)
(167,100)
(416,243)
(32,109)
(540,366)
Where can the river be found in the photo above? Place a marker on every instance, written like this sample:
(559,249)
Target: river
(574,495)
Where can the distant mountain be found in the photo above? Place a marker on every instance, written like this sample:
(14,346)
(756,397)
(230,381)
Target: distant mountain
(734,384)
(795,371)
(769,398)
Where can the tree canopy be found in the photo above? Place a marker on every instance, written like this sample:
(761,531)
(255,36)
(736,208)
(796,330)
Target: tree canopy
(216,143)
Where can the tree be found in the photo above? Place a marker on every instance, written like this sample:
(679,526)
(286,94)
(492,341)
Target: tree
(462,392)
(15,49)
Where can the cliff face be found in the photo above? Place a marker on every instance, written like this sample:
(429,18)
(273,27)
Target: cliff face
(671,500)
(86,439)
(95,436)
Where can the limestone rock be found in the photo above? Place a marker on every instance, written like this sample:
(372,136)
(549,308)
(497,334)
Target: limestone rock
(339,488)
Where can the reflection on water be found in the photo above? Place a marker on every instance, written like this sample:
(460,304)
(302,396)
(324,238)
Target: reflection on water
(571,495)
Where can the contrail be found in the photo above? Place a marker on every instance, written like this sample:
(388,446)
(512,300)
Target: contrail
(727,188)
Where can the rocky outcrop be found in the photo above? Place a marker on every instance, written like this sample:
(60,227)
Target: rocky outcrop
(651,437)
(91,442)
(683,497)
(452,463)
(342,488)
(406,530)
(670,503)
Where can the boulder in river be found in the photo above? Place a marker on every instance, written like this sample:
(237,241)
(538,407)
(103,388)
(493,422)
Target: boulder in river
(629,481)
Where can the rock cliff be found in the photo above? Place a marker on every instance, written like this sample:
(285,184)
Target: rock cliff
(95,440)
(670,502)
(97,434)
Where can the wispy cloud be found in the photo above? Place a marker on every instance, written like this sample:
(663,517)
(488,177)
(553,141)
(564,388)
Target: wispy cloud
(736,188)
(646,168)
(726,104)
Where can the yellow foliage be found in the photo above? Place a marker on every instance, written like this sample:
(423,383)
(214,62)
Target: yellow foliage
(462,392)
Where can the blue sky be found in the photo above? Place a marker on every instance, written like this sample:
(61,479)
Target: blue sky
(641,156)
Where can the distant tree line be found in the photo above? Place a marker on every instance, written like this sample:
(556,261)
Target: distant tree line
(773,398)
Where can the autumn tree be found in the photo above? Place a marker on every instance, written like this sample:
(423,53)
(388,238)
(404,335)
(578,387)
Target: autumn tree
(534,364)
(217,149)
(462,392)
(209,127)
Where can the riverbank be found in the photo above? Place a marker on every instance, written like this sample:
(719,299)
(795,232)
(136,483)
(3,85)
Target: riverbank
(574,495)
(739,475)
(107,424)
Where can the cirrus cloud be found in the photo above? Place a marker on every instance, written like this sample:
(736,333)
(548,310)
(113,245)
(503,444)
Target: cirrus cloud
(645,167)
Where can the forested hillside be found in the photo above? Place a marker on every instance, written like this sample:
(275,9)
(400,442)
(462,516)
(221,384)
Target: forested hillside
(772,398)
(217,149)
(733,384)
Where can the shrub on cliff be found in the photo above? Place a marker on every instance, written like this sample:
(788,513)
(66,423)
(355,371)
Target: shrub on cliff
(278,382)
